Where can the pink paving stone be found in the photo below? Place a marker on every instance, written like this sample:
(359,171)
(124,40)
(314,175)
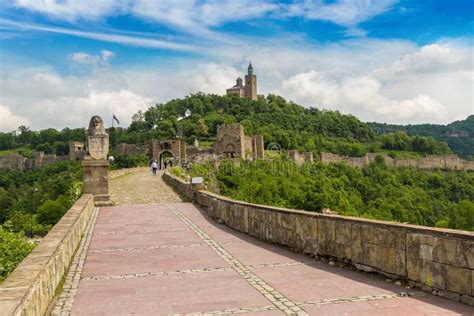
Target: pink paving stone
(217,290)
(318,282)
(212,291)
(256,252)
(156,260)
(186,237)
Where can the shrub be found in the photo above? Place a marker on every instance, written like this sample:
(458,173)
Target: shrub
(50,212)
(14,247)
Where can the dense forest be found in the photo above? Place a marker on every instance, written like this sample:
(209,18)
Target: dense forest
(407,195)
(31,202)
(290,125)
(458,135)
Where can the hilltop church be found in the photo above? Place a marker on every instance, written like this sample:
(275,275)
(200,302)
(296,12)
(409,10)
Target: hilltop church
(250,88)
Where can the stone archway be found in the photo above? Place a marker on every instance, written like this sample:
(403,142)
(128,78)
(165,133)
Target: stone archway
(176,147)
(229,151)
(166,156)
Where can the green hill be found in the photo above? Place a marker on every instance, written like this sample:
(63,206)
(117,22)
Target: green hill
(290,125)
(458,135)
(278,120)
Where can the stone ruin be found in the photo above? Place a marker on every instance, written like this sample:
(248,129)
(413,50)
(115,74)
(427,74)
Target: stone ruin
(129,150)
(302,158)
(452,162)
(233,143)
(19,162)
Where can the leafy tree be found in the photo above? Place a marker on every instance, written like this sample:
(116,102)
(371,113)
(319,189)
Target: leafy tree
(14,248)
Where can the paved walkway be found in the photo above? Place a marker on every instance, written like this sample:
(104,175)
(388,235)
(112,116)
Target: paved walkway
(170,258)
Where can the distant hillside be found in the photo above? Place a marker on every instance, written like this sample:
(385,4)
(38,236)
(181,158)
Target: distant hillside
(290,125)
(458,135)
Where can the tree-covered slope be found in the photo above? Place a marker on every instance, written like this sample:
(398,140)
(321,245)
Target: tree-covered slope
(290,125)
(458,135)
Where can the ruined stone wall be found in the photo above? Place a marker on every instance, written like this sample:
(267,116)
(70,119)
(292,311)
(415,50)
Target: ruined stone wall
(129,150)
(440,261)
(300,159)
(429,162)
(13,161)
(201,155)
(258,147)
(31,286)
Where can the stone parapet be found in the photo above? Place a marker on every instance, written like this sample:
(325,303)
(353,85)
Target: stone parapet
(31,286)
(438,260)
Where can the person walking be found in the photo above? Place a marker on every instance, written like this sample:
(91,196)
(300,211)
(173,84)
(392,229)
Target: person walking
(166,164)
(154,166)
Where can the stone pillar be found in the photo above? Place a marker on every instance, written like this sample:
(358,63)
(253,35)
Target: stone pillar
(95,164)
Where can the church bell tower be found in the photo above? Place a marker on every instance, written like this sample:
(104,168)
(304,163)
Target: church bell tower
(250,83)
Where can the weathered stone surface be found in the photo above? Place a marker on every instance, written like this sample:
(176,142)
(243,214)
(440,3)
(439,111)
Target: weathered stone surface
(342,233)
(356,243)
(426,252)
(433,274)
(368,234)
(465,254)
(458,280)
(380,236)
(396,239)
(466,299)
(449,295)
(444,250)
(392,261)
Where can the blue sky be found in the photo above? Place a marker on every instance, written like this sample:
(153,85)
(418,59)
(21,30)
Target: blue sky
(393,61)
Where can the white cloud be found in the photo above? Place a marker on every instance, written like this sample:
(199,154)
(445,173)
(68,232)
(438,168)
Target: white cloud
(358,77)
(361,96)
(93,60)
(197,17)
(10,121)
(433,84)
(74,9)
(348,13)
(111,37)
(49,99)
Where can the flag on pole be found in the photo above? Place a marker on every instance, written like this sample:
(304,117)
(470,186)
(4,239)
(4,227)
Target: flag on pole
(115,118)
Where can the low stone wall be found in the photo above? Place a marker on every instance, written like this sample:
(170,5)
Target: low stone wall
(30,287)
(179,185)
(438,260)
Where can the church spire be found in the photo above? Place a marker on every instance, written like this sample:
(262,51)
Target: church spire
(250,69)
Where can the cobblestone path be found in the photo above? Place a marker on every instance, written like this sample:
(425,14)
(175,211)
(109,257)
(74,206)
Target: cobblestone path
(141,188)
(167,257)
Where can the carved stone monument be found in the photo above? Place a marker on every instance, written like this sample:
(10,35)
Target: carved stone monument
(95,164)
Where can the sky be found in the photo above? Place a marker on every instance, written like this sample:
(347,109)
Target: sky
(394,61)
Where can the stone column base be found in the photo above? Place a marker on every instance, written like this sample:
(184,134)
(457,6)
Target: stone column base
(102,200)
(96,180)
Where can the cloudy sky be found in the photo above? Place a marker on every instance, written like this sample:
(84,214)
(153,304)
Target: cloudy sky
(405,61)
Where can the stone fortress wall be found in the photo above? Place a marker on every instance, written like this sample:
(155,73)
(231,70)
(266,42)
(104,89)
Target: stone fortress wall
(440,261)
(429,162)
